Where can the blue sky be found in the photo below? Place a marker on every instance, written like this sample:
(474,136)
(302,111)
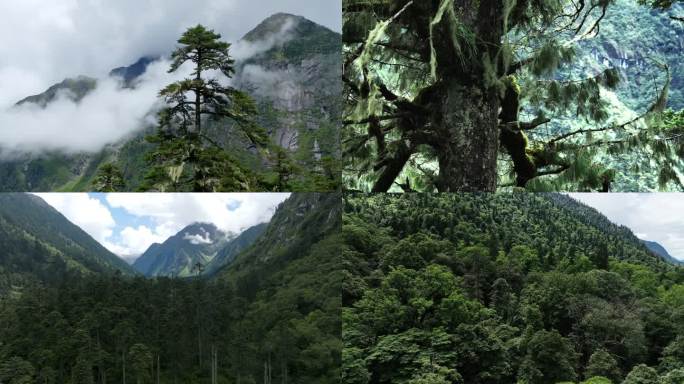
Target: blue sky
(651,216)
(128,223)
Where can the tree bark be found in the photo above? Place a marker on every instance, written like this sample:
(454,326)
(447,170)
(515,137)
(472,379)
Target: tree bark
(198,120)
(467,120)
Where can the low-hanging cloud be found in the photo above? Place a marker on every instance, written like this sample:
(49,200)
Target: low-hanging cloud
(198,239)
(105,116)
(68,38)
(242,49)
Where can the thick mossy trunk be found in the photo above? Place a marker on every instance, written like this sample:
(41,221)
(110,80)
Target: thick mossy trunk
(468,126)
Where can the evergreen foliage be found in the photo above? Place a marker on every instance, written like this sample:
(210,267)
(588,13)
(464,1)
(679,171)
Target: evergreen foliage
(273,315)
(475,96)
(109,179)
(186,159)
(507,288)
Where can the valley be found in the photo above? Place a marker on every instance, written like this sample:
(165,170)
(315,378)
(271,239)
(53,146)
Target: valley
(264,299)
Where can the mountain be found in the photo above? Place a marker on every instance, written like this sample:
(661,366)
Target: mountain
(661,251)
(284,328)
(288,64)
(227,254)
(74,89)
(197,243)
(178,255)
(299,77)
(299,224)
(130,73)
(292,277)
(39,244)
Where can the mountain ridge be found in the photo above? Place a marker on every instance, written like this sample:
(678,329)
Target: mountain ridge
(41,245)
(662,252)
(196,244)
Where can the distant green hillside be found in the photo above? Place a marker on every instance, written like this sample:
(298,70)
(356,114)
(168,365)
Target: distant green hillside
(40,244)
(662,252)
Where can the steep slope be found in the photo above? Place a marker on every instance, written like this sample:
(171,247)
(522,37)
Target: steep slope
(315,214)
(227,254)
(286,330)
(297,84)
(130,73)
(291,277)
(661,251)
(179,254)
(39,244)
(291,66)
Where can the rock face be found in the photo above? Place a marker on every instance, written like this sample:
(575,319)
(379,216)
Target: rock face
(298,77)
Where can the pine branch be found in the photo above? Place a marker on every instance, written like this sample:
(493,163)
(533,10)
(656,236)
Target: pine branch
(515,126)
(591,130)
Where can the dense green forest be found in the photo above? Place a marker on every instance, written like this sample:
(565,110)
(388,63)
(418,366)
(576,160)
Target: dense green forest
(497,95)
(507,288)
(271,316)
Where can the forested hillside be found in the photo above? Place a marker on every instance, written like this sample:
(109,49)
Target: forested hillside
(39,244)
(276,319)
(508,288)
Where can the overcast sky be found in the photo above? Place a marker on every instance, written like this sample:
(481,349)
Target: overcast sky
(651,216)
(128,223)
(42,42)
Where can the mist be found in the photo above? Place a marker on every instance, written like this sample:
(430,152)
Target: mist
(107,115)
(76,37)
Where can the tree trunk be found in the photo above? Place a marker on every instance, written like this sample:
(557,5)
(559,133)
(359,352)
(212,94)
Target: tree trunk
(467,120)
(123,359)
(198,121)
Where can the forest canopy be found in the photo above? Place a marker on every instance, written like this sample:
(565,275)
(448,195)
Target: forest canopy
(505,289)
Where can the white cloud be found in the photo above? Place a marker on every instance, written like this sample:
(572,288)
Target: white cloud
(169,213)
(242,50)
(189,208)
(198,239)
(44,42)
(105,116)
(87,212)
(653,216)
(48,41)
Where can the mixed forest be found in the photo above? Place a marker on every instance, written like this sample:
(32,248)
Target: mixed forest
(272,316)
(507,288)
(499,95)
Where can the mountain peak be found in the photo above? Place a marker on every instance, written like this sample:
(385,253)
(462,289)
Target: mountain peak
(293,37)
(277,24)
